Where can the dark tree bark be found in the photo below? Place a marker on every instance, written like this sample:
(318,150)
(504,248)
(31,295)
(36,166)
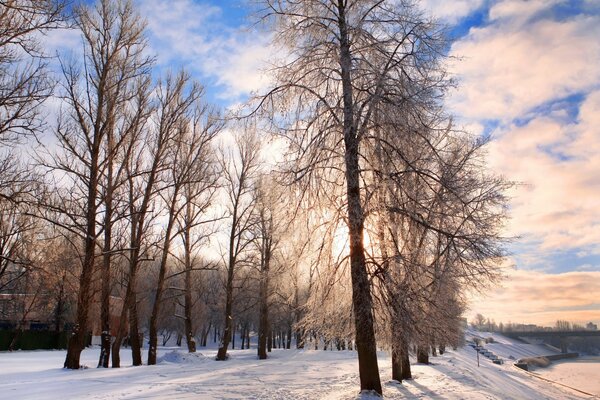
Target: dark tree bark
(361,290)
(423,354)
(263,323)
(187,306)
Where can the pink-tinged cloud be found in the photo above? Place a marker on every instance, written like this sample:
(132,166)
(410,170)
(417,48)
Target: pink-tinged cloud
(512,65)
(557,162)
(540,298)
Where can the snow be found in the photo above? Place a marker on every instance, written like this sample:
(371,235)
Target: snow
(584,374)
(287,374)
(511,349)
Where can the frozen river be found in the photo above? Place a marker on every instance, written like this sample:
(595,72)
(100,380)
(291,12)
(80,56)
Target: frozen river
(582,374)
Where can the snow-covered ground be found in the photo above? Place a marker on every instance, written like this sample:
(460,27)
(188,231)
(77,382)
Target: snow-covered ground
(287,374)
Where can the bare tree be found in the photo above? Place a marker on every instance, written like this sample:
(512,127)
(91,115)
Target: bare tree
(346,58)
(197,197)
(94,94)
(239,167)
(24,82)
(190,174)
(269,226)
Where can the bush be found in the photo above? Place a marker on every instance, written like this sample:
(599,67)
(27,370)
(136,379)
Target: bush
(34,340)
(535,361)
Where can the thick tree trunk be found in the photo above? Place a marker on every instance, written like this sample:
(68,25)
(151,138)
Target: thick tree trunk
(116,345)
(396,362)
(423,354)
(361,290)
(300,338)
(226,339)
(135,339)
(406,372)
(77,340)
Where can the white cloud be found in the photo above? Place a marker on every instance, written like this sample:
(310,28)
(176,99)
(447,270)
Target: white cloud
(193,34)
(451,11)
(508,68)
(557,163)
(519,10)
(521,66)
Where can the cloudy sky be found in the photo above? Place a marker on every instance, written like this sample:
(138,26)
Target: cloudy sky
(529,75)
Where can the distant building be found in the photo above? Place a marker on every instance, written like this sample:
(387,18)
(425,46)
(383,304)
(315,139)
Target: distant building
(591,327)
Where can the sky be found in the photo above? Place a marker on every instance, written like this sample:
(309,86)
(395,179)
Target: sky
(528,74)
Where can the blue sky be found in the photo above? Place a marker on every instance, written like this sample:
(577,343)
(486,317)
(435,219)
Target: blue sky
(529,75)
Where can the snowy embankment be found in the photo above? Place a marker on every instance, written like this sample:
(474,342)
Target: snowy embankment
(287,374)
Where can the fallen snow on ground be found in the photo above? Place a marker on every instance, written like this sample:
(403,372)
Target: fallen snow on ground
(287,374)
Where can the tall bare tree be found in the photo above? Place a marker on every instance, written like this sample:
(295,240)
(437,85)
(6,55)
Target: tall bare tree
(240,167)
(93,95)
(190,172)
(347,57)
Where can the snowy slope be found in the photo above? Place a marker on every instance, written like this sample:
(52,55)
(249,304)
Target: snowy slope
(506,347)
(288,374)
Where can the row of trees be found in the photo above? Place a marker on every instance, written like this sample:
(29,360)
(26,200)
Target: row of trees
(379,208)
(482,323)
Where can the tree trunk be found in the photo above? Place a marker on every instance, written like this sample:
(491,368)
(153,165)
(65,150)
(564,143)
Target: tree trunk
(406,372)
(135,338)
(106,256)
(232,335)
(226,339)
(269,339)
(299,339)
(188,298)
(361,291)
(153,329)
(423,354)
(263,322)
(248,338)
(116,346)
(77,339)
